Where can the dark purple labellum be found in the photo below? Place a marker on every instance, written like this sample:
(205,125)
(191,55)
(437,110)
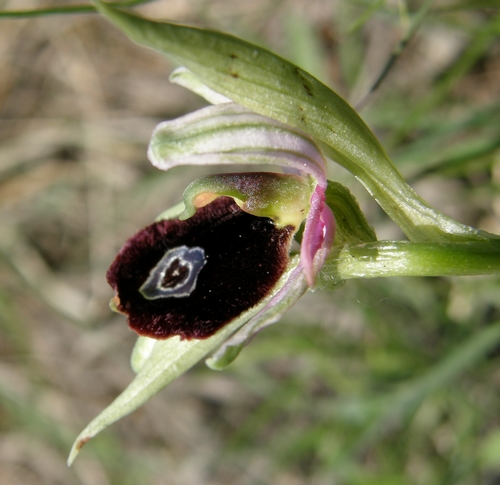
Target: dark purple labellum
(192,277)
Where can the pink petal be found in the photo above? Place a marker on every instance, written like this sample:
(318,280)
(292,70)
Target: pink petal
(318,235)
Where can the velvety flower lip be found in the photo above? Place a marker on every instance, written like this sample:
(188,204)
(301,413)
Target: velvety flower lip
(202,272)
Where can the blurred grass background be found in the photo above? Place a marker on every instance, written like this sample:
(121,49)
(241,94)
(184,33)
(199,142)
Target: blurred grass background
(391,381)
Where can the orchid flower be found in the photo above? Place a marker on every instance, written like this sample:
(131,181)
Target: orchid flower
(227,250)
(214,270)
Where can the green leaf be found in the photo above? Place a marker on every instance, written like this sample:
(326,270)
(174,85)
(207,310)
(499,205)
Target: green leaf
(269,85)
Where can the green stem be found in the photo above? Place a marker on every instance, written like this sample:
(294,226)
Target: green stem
(403,258)
(73,9)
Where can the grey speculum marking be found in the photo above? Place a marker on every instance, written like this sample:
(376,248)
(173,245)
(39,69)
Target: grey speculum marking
(175,274)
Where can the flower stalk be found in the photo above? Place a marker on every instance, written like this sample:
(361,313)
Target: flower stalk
(404,258)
